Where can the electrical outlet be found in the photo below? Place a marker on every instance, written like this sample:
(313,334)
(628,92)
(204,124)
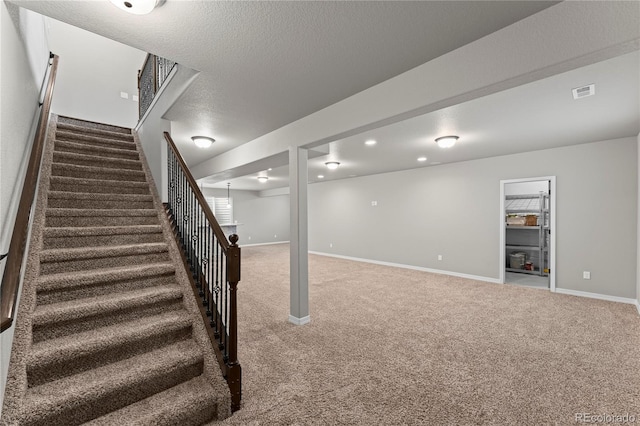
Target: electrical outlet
(275,236)
(439,257)
(134,98)
(249,238)
(374,203)
(124,95)
(330,245)
(586,275)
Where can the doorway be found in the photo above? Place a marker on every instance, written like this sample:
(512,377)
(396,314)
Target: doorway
(527,232)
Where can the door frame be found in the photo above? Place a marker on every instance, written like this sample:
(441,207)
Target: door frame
(552,224)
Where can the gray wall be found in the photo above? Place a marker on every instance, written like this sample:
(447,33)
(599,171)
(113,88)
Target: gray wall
(93,71)
(263,219)
(21,72)
(454,210)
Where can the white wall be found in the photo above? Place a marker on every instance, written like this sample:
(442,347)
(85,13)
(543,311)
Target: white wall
(263,219)
(454,210)
(93,71)
(21,73)
(638,235)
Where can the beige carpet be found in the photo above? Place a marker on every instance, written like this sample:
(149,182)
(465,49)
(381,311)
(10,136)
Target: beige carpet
(389,346)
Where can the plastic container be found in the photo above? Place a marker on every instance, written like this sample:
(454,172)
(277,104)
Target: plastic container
(517,260)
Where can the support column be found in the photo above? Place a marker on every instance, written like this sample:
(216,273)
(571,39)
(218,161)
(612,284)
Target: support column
(299,251)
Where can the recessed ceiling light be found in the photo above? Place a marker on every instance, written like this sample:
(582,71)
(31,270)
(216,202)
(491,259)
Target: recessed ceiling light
(263,179)
(422,158)
(370,142)
(202,141)
(320,176)
(137,7)
(447,141)
(332,165)
(269,169)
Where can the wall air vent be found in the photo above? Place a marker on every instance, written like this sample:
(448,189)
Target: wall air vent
(584,91)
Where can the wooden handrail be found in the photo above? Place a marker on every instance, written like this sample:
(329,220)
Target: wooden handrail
(196,190)
(11,278)
(187,204)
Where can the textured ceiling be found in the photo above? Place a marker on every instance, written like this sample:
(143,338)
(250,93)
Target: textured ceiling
(266,64)
(531,117)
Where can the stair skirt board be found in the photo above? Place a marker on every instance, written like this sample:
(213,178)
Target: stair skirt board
(115,334)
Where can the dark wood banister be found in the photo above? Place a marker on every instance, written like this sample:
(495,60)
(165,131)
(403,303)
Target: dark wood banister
(233,373)
(196,190)
(11,278)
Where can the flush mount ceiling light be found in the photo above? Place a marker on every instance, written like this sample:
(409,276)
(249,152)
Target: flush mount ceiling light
(447,141)
(320,176)
(137,7)
(370,142)
(263,179)
(422,158)
(202,141)
(332,165)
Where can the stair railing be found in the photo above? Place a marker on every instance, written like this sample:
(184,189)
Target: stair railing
(11,277)
(213,263)
(151,77)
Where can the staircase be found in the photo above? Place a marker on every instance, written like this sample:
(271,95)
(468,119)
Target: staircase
(108,330)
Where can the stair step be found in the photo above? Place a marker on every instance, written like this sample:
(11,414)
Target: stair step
(86,124)
(74,184)
(54,261)
(112,132)
(102,151)
(88,200)
(95,140)
(62,217)
(82,397)
(92,236)
(191,403)
(54,359)
(95,161)
(56,288)
(92,172)
(79,315)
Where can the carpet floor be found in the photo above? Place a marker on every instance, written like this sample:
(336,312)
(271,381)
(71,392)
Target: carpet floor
(390,346)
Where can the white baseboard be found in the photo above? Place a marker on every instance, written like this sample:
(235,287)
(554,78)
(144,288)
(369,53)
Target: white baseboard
(299,321)
(415,268)
(263,244)
(597,296)
(638,306)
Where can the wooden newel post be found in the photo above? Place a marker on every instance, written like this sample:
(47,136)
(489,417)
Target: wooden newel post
(234,377)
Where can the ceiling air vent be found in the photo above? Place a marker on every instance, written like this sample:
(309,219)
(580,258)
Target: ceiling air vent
(584,91)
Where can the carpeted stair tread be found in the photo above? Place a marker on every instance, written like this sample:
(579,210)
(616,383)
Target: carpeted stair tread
(67,260)
(95,172)
(55,358)
(71,280)
(59,255)
(92,200)
(103,305)
(102,151)
(64,217)
(187,404)
(93,393)
(95,160)
(101,230)
(64,212)
(86,124)
(96,140)
(94,131)
(74,184)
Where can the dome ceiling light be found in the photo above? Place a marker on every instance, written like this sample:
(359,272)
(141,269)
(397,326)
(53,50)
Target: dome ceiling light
(447,141)
(136,7)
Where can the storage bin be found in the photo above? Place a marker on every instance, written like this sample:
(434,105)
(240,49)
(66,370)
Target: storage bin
(516,260)
(515,220)
(531,220)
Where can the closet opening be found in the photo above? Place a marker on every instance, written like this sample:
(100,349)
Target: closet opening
(527,237)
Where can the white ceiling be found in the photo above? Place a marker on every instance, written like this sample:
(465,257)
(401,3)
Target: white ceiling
(531,117)
(265,64)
